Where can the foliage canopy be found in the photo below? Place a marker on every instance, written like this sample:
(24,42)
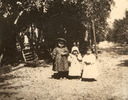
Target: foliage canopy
(70,19)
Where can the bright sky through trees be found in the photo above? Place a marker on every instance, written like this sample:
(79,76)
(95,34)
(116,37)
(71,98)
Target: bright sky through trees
(118,11)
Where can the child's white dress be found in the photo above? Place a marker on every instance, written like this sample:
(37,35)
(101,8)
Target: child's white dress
(90,66)
(75,65)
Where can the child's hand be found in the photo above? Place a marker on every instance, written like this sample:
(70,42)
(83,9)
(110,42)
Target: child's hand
(63,54)
(80,60)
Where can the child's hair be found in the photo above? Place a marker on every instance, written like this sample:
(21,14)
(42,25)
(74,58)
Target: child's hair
(75,48)
(61,41)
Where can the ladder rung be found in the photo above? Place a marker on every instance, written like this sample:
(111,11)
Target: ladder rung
(30,58)
(28,53)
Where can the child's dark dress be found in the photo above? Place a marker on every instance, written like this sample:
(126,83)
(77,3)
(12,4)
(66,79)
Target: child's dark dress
(60,59)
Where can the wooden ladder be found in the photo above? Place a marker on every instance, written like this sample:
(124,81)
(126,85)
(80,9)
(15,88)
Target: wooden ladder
(29,55)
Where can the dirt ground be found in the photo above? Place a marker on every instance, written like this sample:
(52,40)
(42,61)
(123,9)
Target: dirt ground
(27,83)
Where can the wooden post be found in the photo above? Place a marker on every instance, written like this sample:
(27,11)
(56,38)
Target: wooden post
(1,57)
(94,35)
(24,56)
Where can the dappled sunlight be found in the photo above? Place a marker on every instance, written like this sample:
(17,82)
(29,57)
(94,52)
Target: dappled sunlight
(114,48)
(30,67)
(40,82)
(105,44)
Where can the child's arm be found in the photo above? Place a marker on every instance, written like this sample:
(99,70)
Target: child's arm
(91,59)
(54,53)
(69,59)
(65,53)
(79,57)
(86,60)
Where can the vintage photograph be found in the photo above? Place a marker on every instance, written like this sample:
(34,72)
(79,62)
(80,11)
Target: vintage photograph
(63,49)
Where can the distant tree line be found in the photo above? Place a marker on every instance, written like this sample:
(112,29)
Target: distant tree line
(119,33)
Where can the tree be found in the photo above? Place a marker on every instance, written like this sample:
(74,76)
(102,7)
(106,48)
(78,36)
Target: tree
(70,19)
(120,31)
(16,16)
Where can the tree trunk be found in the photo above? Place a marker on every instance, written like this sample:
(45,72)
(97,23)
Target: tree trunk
(94,35)
(9,43)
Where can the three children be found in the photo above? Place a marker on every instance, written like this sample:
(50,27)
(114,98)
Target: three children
(72,63)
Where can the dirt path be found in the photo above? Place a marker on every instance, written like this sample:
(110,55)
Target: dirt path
(36,84)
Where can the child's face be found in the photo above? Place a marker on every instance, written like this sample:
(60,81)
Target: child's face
(61,45)
(75,52)
(89,52)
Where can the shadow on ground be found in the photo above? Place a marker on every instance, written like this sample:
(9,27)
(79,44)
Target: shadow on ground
(7,77)
(7,94)
(7,85)
(3,85)
(124,63)
(60,75)
(89,79)
(14,87)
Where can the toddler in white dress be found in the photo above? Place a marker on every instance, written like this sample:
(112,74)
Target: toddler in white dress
(90,70)
(75,60)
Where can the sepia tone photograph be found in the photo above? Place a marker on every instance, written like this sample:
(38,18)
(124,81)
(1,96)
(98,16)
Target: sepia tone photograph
(63,49)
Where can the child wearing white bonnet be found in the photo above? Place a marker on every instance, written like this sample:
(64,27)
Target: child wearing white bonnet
(74,59)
